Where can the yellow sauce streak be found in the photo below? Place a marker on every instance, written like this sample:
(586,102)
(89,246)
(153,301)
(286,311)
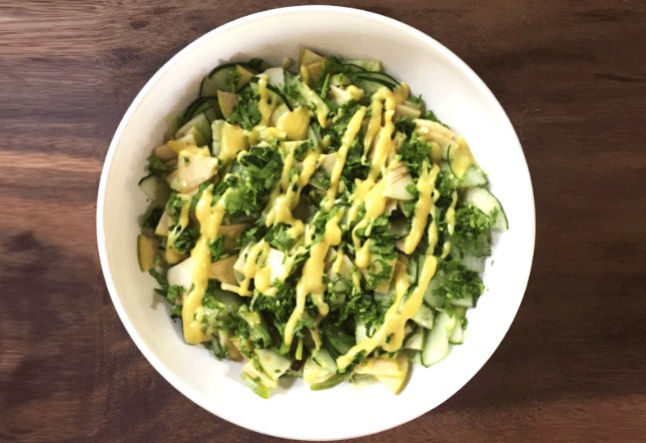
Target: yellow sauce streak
(348,137)
(460,157)
(210,217)
(450,225)
(374,124)
(425,186)
(233,140)
(295,123)
(394,324)
(255,269)
(311,282)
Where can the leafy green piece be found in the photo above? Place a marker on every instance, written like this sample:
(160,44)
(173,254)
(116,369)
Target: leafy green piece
(415,153)
(472,235)
(458,283)
(249,190)
(278,236)
(216,247)
(245,113)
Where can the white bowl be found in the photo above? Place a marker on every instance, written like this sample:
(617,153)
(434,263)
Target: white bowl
(449,87)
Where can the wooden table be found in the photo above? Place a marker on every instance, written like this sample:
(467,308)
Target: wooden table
(572,77)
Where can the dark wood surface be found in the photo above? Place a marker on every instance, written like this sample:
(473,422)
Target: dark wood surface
(572,77)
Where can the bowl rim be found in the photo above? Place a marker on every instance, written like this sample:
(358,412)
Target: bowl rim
(152,358)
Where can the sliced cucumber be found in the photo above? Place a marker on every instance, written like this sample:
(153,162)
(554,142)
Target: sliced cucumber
(466,302)
(416,358)
(431,297)
(457,336)
(391,82)
(351,67)
(424,317)
(258,388)
(437,339)
(415,341)
(206,105)
(273,364)
(146,252)
(473,177)
(365,64)
(230,77)
(475,264)
(201,123)
(484,200)
(156,188)
(319,367)
(330,382)
(370,86)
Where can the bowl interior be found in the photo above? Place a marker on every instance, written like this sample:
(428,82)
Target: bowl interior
(457,96)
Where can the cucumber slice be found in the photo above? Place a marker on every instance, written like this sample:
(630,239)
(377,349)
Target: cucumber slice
(156,188)
(437,339)
(457,336)
(379,76)
(146,252)
(201,123)
(330,382)
(365,64)
(370,86)
(230,77)
(207,105)
(473,177)
(466,302)
(319,367)
(484,200)
(352,67)
(431,297)
(416,358)
(415,341)
(424,317)
(258,388)
(475,264)
(273,364)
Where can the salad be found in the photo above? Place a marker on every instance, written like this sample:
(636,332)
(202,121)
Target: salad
(317,221)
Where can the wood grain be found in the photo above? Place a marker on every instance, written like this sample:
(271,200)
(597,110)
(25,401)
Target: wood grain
(572,77)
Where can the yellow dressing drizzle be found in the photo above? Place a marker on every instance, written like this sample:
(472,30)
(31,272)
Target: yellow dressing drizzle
(311,283)
(390,334)
(374,124)
(348,137)
(450,224)
(210,217)
(425,186)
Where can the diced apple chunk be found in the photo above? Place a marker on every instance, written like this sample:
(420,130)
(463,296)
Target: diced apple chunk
(397,182)
(182,274)
(223,270)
